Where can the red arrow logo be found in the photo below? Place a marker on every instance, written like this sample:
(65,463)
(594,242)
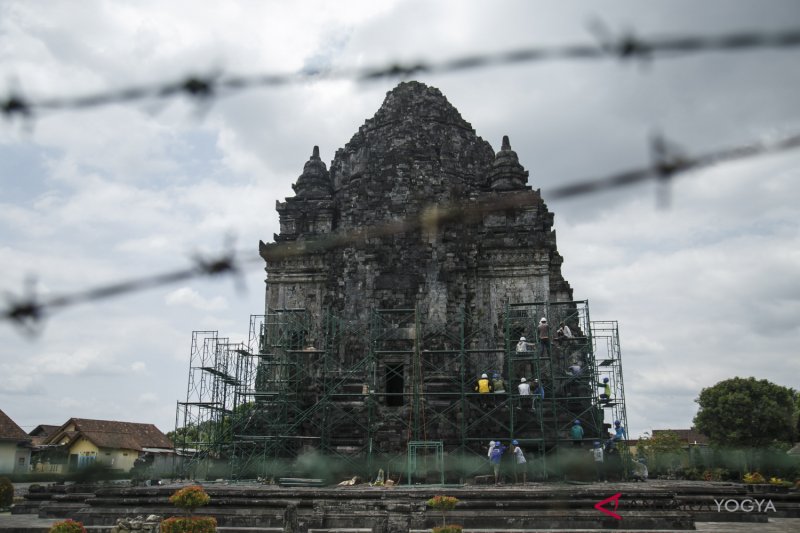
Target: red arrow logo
(615,499)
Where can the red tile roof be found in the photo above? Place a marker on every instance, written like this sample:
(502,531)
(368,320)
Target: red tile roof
(112,434)
(690,436)
(40,433)
(9,430)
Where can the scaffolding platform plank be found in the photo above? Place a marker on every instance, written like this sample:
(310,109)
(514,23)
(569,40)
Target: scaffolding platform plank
(227,378)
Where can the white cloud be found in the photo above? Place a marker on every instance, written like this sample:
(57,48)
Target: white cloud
(190,297)
(149,398)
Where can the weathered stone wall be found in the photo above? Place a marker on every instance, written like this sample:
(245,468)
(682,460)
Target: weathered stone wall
(415,153)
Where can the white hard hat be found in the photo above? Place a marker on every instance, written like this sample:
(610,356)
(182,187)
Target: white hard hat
(543,319)
(522,338)
(523,380)
(484,376)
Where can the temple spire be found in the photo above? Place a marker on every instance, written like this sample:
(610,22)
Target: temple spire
(506,173)
(315,181)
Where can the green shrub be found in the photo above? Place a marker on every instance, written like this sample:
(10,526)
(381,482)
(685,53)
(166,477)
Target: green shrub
(189,524)
(692,474)
(6,492)
(67,526)
(190,498)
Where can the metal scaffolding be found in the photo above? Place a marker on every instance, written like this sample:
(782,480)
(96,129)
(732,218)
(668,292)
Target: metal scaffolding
(360,393)
(202,421)
(567,397)
(605,336)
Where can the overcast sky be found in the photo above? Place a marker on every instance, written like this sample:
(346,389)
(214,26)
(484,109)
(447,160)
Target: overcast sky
(704,289)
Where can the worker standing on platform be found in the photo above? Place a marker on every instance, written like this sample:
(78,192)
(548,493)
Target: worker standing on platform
(544,337)
(519,462)
(599,465)
(563,334)
(538,393)
(494,458)
(492,444)
(524,390)
(576,432)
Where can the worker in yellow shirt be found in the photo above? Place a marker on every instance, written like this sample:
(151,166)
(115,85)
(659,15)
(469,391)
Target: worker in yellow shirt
(484,387)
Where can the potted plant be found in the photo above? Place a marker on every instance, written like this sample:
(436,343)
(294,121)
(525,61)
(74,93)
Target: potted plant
(189,499)
(444,504)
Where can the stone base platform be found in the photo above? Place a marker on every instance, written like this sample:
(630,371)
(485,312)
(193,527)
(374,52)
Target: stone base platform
(254,508)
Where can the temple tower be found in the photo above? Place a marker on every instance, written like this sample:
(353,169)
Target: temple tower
(416,154)
(401,273)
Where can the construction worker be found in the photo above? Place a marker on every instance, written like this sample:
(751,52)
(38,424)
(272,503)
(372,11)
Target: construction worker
(538,393)
(544,337)
(499,387)
(576,432)
(574,369)
(522,345)
(494,458)
(619,434)
(524,390)
(640,470)
(483,387)
(599,466)
(605,396)
(519,462)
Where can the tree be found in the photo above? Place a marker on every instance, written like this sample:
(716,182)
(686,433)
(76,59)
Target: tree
(663,451)
(212,431)
(663,443)
(746,413)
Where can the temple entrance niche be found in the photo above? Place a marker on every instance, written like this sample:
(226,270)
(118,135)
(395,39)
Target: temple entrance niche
(395,384)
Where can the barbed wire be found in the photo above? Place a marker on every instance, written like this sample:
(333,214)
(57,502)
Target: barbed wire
(626,46)
(29,310)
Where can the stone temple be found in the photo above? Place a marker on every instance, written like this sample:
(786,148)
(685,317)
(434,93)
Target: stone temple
(402,272)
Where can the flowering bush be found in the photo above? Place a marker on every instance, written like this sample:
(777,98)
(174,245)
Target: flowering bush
(754,477)
(67,526)
(189,524)
(190,498)
(444,504)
